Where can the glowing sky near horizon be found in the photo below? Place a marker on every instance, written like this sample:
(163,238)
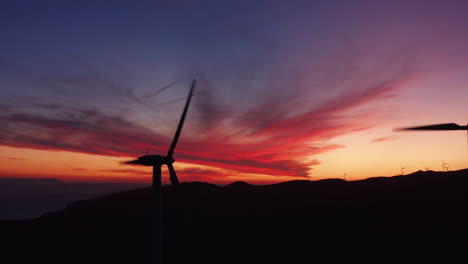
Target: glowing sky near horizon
(296,90)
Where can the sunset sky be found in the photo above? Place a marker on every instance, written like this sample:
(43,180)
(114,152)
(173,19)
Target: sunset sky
(286,89)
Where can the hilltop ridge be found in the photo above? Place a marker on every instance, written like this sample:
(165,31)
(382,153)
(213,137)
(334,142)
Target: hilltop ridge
(259,221)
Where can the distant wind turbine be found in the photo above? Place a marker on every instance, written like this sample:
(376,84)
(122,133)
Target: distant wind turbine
(402,170)
(156,161)
(445,166)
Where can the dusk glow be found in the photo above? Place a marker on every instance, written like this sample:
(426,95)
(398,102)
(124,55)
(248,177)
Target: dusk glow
(284,91)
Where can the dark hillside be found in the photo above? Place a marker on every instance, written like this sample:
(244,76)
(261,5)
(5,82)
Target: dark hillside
(246,223)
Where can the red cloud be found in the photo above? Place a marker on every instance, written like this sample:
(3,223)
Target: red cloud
(79,169)
(277,133)
(201,174)
(126,171)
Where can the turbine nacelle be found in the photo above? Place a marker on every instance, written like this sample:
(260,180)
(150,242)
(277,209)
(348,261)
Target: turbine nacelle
(152,160)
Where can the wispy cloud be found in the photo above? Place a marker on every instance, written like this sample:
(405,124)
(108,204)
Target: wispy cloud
(79,169)
(125,171)
(274,125)
(202,174)
(14,158)
(384,139)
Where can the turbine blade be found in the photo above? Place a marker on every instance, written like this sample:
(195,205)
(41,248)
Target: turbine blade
(172,174)
(450,126)
(129,162)
(181,122)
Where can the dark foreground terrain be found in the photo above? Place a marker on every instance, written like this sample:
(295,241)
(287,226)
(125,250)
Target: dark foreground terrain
(422,216)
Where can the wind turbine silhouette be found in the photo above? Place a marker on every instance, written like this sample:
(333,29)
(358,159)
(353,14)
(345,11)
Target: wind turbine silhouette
(402,170)
(444,166)
(157,161)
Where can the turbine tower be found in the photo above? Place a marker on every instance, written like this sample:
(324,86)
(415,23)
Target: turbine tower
(402,170)
(157,161)
(444,166)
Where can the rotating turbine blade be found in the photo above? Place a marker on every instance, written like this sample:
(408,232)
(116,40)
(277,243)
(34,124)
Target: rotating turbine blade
(450,126)
(181,122)
(129,162)
(172,174)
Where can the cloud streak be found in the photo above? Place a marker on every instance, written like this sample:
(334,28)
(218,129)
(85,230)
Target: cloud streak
(14,158)
(384,139)
(262,139)
(272,120)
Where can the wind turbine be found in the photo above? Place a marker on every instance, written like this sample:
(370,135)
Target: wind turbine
(444,166)
(402,170)
(157,161)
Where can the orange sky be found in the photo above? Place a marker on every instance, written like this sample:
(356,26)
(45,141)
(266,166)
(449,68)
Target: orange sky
(375,150)
(359,159)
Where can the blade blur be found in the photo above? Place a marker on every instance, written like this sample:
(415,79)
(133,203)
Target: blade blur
(181,122)
(450,126)
(130,162)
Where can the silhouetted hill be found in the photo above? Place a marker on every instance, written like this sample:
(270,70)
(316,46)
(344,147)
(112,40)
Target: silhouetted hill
(243,223)
(238,185)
